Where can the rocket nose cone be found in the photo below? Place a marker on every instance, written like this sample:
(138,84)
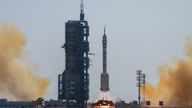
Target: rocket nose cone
(104,37)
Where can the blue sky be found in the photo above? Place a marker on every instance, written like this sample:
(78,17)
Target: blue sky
(142,34)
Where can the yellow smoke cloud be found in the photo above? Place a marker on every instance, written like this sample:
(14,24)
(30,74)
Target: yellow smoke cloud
(16,80)
(174,87)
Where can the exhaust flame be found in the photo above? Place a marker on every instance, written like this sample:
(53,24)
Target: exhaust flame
(16,80)
(104,96)
(174,87)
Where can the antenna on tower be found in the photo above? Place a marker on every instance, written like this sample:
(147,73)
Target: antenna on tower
(82,6)
(82,15)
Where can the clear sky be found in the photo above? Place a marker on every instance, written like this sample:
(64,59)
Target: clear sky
(142,34)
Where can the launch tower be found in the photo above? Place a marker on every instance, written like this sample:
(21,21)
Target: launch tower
(73,83)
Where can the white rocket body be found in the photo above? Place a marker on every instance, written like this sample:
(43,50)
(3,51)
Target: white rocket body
(104,74)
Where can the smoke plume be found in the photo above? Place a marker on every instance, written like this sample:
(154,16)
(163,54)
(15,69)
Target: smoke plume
(174,86)
(16,80)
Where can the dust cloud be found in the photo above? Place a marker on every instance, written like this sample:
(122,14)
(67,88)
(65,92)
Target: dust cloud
(17,81)
(175,80)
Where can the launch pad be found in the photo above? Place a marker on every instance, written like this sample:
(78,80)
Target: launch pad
(104,104)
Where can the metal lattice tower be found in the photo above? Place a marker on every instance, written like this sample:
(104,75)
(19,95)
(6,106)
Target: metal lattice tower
(144,82)
(140,83)
(139,73)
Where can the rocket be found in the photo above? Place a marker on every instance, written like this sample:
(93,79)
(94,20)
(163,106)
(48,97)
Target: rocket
(104,74)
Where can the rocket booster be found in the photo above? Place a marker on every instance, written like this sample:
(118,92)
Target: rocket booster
(104,74)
